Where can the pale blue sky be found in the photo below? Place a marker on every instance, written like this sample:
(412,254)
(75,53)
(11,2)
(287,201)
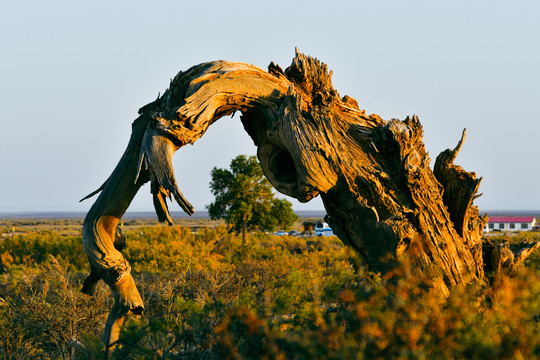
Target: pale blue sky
(73,75)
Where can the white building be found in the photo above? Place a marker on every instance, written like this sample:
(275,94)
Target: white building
(510,223)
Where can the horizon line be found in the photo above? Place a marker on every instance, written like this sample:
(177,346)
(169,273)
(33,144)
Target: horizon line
(204,213)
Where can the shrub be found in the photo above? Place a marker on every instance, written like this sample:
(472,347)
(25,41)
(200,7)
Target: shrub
(208,296)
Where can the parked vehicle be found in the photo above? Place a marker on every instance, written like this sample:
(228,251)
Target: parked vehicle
(322,229)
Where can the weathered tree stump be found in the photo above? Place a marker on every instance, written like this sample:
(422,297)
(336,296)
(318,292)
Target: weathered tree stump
(373,175)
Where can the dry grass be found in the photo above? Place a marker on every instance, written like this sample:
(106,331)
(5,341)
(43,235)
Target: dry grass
(209,297)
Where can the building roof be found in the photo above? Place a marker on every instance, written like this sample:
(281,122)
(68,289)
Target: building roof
(511,219)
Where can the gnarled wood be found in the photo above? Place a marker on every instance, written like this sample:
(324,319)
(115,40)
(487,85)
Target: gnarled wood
(507,258)
(373,175)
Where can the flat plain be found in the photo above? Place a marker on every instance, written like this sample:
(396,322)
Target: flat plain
(207,296)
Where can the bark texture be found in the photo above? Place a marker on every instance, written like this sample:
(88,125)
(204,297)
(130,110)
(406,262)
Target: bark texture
(373,175)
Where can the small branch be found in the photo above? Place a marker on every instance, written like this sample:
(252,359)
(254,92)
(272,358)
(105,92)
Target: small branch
(503,257)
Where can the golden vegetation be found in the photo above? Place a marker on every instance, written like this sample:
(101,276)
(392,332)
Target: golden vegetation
(209,297)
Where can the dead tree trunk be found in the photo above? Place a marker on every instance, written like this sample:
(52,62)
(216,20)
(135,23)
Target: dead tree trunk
(373,175)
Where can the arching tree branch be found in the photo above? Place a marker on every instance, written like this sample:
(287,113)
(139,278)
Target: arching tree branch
(373,175)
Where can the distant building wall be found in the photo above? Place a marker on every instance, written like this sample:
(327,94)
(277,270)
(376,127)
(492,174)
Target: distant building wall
(309,227)
(510,223)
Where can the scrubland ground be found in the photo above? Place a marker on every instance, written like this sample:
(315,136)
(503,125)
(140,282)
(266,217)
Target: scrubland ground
(277,297)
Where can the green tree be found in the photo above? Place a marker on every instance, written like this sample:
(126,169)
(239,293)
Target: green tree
(245,200)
